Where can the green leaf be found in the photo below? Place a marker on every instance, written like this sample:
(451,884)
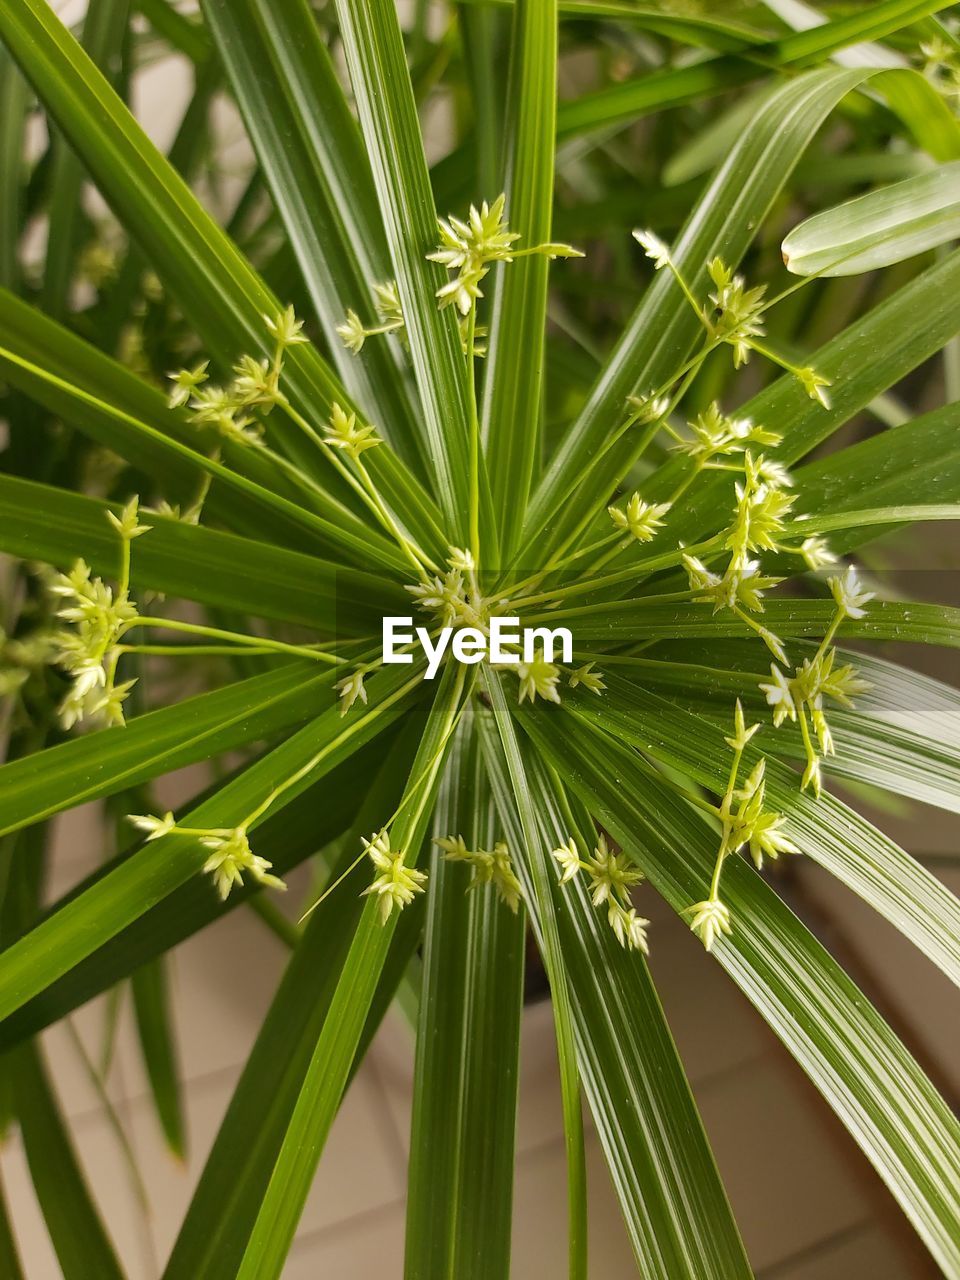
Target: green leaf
(224,298)
(193,562)
(14,101)
(104,32)
(514,366)
(536,874)
(217,1226)
(663,328)
(82,1247)
(849,1053)
(149,444)
(662,1168)
(460,1189)
(642,619)
(619,104)
(182,32)
(312,157)
(156,1033)
(879,228)
(867,519)
(373,45)
(321,814)
(920,457)
(83,924)
(109,761)
(9,1260)
(850,848)
(336,1045)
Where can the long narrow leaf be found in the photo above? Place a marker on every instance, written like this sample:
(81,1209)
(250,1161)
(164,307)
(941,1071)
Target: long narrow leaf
(468,1039)
(863,1071)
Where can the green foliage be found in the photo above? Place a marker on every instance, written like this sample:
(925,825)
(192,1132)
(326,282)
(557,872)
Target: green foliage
(242,431)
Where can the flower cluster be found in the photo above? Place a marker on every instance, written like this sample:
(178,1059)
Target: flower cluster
(801,696)
(715,435)
(230,859)
(353,333)
(758,523)
(639,519)
(351,688)
(735,314)
(454,598)
(539,679)
(342,432)
(397,884)
(230,410)
(732,314)
(492,867)
(87,650)
(745,823)
(611,878)
(470,248)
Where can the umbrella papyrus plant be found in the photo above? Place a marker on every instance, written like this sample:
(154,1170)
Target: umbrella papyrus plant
(378,421)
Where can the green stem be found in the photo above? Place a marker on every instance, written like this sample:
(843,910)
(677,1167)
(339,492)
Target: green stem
(235,637)
(474,434)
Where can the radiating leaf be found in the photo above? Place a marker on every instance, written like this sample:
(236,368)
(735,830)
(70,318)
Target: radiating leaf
(661,1165)
(460,1181)
(859,1066)
(881,227)
(84,923)
(514,364)
(155,1030)
(537,877)
(83,1249)
(336,1044)
(214,1233)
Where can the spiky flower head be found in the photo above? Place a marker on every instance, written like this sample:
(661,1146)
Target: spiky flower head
(736,317)
(388,304)
(488,866)
(256,382)
(611,875)
(127,523)
(153,828)
(816,552)
(285,328)
(629,929)
(814,384)
(397,884)
(351,332)
(351,688)
(779,696)
(709,920)
(741,734)
(231,858)
(568,856)
(539,679)
(342,432)
(640,519)
(849,594)
(185,383)
(590,679)
(656,250)
(715,434)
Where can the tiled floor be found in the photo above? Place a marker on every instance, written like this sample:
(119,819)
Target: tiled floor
(808,1205)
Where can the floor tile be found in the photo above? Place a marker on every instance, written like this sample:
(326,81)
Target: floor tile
(792,1175)
(867,1251)
(540,1214)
